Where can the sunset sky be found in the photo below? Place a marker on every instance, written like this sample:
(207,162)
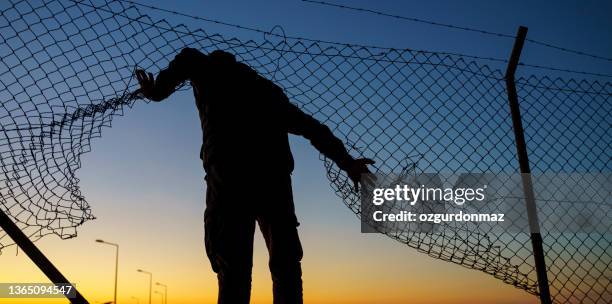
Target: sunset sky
(144,178)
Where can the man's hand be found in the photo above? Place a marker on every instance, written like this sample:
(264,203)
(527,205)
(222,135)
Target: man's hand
(147,83)
(357,168)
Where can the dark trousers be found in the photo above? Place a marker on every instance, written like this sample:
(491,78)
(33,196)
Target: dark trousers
(230,219)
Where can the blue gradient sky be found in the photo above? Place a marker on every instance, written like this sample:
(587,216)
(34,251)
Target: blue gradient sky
(144,178)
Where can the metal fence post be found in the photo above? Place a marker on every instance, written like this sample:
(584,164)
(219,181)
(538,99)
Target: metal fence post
(38,257)
(521,151)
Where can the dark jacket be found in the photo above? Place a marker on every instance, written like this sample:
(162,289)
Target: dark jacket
(245,118)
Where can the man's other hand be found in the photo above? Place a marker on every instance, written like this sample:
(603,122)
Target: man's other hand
(357,169)
(147,83)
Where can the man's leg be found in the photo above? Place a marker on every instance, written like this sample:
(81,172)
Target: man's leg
(278,225)
(229,246)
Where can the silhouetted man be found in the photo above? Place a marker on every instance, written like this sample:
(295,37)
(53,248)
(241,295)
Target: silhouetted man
(245,123)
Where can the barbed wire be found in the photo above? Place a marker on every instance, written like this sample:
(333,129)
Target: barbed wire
(379,56)
(261,31)
(463,28)
(301,38)
(446,25)
(549,68)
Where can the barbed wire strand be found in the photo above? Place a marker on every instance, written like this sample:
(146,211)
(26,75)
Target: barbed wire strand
(261,31)
(456,27)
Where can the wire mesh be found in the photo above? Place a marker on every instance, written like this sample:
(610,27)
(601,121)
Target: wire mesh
(66,71)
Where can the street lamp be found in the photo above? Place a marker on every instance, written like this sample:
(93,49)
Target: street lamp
(165,291)
(150,281)
(116,265)
(135,298)
(161,295)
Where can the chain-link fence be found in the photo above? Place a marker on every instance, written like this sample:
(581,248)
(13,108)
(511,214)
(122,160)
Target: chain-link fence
(66,70)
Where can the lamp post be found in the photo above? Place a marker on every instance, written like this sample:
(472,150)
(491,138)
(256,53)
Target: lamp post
(135,298)
(165,291)
(161,295)
(116,265)
(150,281)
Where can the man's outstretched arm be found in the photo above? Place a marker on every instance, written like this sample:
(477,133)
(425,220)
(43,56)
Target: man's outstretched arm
(179,70)
(321,137)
